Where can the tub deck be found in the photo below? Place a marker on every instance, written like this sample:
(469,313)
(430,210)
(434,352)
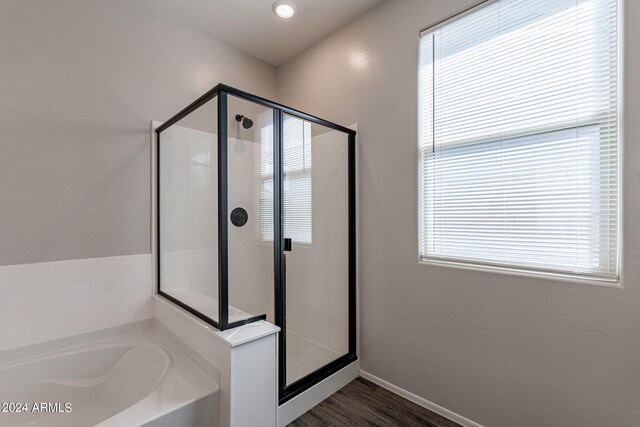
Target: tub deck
(139,378)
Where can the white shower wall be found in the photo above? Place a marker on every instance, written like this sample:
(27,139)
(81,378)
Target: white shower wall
(250,258)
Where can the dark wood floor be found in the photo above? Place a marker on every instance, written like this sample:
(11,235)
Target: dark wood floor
(363,403)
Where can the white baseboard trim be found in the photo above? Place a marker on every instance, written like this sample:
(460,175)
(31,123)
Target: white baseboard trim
(465,422)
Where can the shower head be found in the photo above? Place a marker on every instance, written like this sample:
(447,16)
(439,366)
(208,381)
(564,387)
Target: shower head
(247,123)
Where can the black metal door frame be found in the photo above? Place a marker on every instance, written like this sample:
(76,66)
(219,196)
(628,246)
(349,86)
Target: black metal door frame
(285,392)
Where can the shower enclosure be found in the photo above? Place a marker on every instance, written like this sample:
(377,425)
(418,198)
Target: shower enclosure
(256,220)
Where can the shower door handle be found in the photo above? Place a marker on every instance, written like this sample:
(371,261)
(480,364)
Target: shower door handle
(287,244)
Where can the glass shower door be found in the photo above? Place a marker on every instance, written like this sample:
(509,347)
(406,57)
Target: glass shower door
(316,232)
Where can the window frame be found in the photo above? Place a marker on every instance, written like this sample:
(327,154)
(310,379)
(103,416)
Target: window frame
(514,270)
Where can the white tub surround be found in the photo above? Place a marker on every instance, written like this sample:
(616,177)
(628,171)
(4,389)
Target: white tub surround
(51,300)
(245,357)
(139,378)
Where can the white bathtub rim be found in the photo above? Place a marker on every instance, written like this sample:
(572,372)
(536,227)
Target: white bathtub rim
(69,345)
(158,402)
(92,381)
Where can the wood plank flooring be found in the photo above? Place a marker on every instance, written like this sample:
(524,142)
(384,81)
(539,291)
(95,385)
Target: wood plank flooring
(363,403)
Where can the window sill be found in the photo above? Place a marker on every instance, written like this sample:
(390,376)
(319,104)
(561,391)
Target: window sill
(512,271)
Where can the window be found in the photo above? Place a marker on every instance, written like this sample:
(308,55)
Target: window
(296,146)
(518,138)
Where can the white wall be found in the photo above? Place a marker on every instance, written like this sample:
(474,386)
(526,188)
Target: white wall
(500,350)
(81,79)
(251,264)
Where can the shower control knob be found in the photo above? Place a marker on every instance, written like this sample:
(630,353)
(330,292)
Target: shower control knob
(239,217)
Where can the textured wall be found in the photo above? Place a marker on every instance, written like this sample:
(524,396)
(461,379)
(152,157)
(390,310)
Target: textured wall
(80,81)
(501,350)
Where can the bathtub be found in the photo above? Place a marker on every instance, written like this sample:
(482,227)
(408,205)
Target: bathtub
(135,379)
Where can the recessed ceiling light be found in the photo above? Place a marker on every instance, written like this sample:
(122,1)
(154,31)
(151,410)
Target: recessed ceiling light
(284,8)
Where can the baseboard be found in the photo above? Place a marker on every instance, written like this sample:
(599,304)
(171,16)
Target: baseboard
(465,422)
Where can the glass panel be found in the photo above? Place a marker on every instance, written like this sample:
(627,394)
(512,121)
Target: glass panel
(316,218)
(250,205)
(189,210)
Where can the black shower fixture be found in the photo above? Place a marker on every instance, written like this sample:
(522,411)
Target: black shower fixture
(246,122)
(239,217)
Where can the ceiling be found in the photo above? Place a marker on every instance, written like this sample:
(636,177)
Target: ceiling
(252,27)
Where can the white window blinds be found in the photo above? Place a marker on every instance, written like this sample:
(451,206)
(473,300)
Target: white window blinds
(518,137)
(297,192)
